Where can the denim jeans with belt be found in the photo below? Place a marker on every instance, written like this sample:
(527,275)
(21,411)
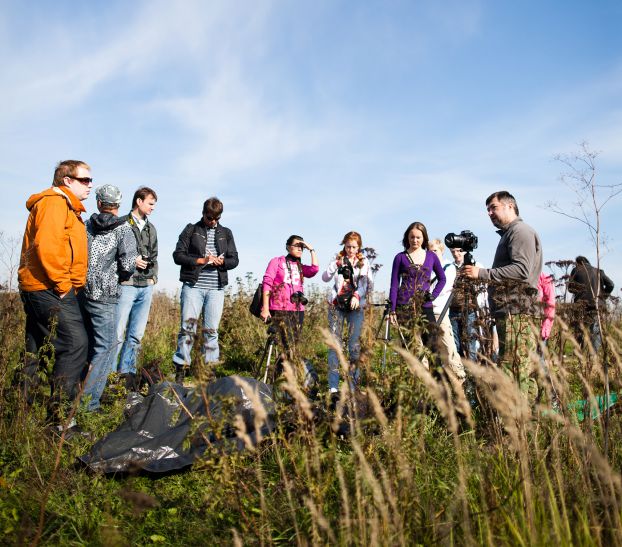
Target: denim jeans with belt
(133,314)
(194,302)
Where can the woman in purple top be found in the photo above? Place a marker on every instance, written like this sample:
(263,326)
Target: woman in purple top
(283,290)
(412,275)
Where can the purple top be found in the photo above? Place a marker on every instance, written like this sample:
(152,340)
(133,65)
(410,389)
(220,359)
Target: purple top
(408,278)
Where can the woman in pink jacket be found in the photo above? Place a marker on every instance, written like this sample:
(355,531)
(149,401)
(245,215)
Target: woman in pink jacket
(283,290)
(546,295)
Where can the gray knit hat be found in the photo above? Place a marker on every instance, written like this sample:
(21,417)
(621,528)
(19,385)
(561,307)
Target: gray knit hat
(108,194)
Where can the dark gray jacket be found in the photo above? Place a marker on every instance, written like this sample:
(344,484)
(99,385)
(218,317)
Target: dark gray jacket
(147,244)
(513,278)
(191,245)
(584,284)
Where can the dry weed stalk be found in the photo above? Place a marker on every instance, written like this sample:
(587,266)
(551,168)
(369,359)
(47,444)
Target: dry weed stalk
(345,517)
(288,493)
(368,476)
(512,406)
(319,519)
(437,391)
(293,388)
(259,410)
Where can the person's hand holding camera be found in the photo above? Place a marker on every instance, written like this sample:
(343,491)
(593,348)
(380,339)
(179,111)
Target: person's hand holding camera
(472,272)
(141,263)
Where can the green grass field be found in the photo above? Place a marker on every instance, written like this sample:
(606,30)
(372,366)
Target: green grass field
(419,468)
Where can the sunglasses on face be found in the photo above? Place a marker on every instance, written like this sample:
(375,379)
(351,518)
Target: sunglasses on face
(82,180)
(212,219)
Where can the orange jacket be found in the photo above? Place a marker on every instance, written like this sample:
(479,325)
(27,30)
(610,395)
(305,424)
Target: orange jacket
(54,250)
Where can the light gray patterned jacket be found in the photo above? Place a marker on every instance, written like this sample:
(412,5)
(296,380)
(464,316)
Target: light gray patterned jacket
(112,252)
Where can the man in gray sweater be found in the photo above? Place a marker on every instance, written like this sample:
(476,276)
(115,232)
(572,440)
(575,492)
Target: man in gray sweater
(513,287)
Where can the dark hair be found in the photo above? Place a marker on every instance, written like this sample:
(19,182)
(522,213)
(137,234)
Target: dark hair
(291,239)
(106,207)
(67,168)
(143,193)
(581,260)
(505,196)
(419,226)
(212,207)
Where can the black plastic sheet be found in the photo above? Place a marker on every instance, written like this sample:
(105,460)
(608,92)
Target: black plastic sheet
(172,425)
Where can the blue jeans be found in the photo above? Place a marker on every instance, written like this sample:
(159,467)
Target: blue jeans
(193,302)
(462,331)
(101,323)
(336,319)
(133,313)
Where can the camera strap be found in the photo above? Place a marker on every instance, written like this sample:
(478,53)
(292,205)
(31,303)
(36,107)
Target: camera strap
(354,283)
(291,279)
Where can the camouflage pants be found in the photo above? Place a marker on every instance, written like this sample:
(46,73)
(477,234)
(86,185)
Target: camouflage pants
(518,340)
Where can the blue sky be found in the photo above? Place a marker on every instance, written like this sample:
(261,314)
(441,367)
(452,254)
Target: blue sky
(316,118)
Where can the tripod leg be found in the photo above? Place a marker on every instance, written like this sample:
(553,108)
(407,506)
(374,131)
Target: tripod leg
(404,343)
(386,341)
(270,348)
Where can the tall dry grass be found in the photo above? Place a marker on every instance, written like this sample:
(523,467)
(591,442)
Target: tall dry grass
(405,459)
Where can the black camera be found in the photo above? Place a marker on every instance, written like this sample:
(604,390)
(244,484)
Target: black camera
(346,270)
(299,298)
(465,240)
(150,263)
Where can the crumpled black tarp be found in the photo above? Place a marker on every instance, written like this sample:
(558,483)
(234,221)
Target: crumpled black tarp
(155,436)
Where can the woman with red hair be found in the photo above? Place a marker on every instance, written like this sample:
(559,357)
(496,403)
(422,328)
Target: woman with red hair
(351,274)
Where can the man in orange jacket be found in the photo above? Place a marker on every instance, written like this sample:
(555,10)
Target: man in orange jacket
(52,270)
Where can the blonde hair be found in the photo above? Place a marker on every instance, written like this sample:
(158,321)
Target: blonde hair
(438,242)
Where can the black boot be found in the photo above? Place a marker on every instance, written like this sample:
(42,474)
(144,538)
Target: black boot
(130,381)
(180,374)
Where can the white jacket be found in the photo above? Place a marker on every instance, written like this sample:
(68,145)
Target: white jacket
(362,279)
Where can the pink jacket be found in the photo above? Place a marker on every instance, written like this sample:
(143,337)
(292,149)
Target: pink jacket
(546,295)
(283,279)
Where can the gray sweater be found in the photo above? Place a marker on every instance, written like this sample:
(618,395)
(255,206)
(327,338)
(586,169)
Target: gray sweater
(513,278)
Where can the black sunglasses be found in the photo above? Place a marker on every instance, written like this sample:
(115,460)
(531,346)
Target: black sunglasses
(210,219)
(81,180)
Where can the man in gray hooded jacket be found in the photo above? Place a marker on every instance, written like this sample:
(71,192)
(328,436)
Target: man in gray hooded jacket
(112,254)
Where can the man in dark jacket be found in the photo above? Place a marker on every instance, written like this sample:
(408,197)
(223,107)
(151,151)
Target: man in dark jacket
(205,251)
(137,291)
(589,286)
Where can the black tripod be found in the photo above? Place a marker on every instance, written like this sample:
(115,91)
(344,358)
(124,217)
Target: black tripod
(385,321)
(266,356)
